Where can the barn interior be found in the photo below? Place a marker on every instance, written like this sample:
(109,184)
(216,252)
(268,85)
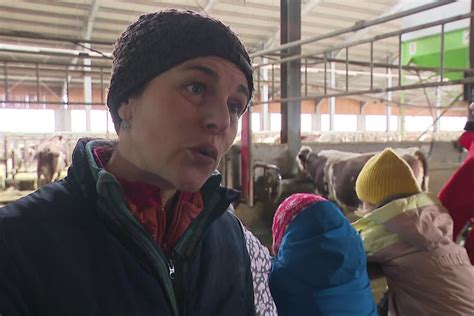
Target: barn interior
(355,76)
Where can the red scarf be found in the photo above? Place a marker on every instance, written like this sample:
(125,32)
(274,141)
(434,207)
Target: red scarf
(143,200)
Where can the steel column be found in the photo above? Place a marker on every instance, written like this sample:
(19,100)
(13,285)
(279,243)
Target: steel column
(332,100)
(388,107)
(37,83)
(437,113)
(5,81)
(361,119)
(291,78)
(264,113)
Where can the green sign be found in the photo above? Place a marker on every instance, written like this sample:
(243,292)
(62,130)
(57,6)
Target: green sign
(425,52)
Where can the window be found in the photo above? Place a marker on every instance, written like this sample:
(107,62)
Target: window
(256,122)
(275,122)
(345,122)
(27,121)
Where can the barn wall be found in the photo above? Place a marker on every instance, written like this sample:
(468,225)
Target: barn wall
(443,161)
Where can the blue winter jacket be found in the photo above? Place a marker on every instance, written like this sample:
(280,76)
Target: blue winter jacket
(320,268)
(73,248)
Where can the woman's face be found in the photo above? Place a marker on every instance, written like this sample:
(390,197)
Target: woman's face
(184,121)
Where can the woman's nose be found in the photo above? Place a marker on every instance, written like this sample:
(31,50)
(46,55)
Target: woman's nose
(216,116)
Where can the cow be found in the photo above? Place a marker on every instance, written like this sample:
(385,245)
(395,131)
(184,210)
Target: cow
(334,173)
(22,158)
(51,160)
(16,161)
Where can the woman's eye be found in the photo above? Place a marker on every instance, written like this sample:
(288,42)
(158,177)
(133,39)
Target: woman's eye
(235,108)
(196,88)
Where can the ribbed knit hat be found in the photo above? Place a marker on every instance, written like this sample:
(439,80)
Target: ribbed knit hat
(385,175)
(287,211)
(157,42)
(469,126)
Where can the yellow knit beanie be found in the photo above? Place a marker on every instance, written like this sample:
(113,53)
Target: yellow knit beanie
(383,176)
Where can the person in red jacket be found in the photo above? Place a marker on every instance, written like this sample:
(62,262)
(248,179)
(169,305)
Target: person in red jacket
(457,195)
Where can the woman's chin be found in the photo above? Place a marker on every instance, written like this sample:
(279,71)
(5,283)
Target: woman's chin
(191,184)
(189,187)
(192,179)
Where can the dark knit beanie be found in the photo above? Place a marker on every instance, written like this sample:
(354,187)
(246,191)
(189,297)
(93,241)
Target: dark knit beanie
(469,126)
(157,42)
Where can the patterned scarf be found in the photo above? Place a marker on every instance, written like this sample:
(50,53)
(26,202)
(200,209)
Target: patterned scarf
(287,211)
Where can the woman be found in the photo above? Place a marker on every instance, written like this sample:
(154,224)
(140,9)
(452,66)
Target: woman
(141,227)
(409,233)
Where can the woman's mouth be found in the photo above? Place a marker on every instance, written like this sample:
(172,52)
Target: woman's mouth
(204,154)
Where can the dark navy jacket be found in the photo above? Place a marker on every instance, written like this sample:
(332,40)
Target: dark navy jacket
(73,248)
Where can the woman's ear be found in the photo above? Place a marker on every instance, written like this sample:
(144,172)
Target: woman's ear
(368,207)
(364,209)
(125,110)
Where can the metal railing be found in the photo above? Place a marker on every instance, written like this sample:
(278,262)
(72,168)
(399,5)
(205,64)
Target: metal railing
(51,83)
(271,182)
(324,56)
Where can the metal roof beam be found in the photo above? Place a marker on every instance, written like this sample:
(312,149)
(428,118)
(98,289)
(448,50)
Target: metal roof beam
(357,26)
(210,4)
(86,33)
(361,33)
(54,38)
(90,19)
(310,5)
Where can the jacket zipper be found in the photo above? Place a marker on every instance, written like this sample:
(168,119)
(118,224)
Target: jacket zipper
(171,269)
(180,264)
(163,266)
(169,284)
(180,282)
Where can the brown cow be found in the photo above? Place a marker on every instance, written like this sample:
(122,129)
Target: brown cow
(22,158)
(51,160)
(334,172)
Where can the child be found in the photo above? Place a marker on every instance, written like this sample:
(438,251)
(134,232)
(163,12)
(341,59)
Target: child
(320,265)
(409,233)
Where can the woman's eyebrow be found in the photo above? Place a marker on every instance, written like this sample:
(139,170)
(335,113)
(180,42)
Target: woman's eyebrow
(211,73)
(204,69)
(243,89)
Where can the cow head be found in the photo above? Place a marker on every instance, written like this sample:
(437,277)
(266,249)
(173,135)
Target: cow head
(51,160)
(313,166)
(302,158)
